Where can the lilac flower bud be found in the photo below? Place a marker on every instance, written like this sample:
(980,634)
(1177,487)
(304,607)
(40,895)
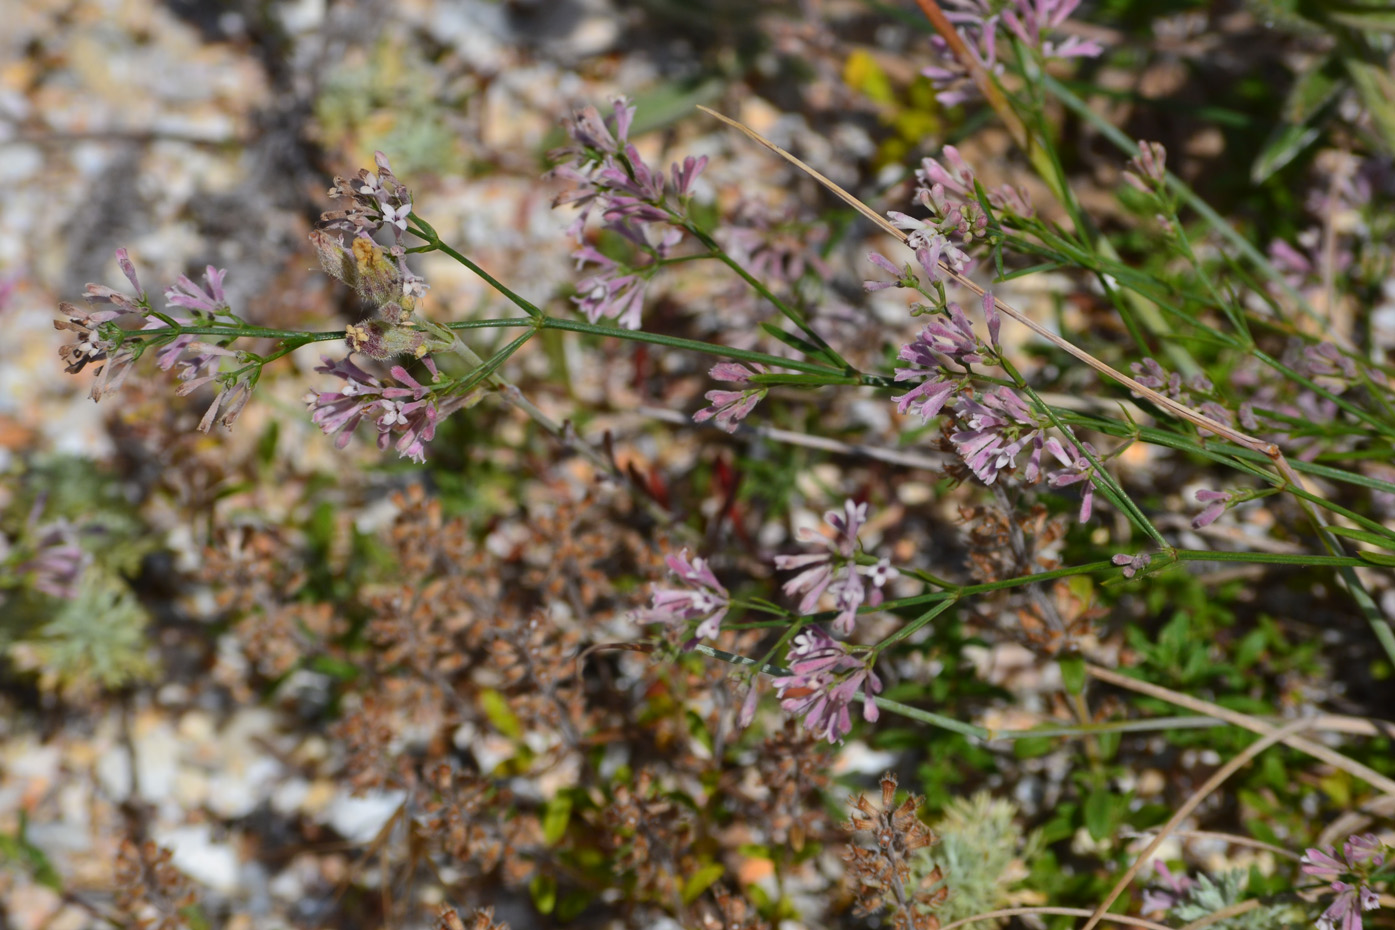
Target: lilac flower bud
(684,177)
(903,278)
(728,408)
(1131,564)
(185,293)
(704,598)
(748,706)
(123,259)
(735,372)
(1151,161)
(990,313)
(1217,501)
(230,399)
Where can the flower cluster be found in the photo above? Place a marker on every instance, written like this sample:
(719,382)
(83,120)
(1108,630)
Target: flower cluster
(824,678)
(609,176)
(703,599)
(835,571)
(103,339)
(953,340)
(379,275)
(1131,564)
(949,192)
(404,412)
(994,431)
(1351,877)
(824,675)
(977,23)
(996,426)
(1147,171)
(729,408)
(881,874)
(375,199)
(1150,374)
(100,337)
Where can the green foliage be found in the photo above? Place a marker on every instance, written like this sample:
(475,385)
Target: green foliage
(1210,895)
(17,849)
(981,853)
(95,639)
(392,102)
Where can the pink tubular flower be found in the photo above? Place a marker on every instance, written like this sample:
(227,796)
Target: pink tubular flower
(824,679)
(703,599)
(1364,854)
(729,408)
(994,432)
(685,175)
(405,416)
(185,293)
(1078,469)
(836,572)
(904,278)
(609,293)
(931,247)
(376,199)
(977,22)
(1364,849)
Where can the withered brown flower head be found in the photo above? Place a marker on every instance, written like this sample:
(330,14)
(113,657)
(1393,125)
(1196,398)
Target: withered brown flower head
(882,874)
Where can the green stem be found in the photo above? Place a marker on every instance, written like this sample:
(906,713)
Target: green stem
(692,345)
(1112,726)
(434,243)
(1179,187)
(1266,558)
(794,316)
(1104,480)
(909,628)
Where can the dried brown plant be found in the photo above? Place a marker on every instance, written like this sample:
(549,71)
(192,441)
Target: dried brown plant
(150,891)
(881,873)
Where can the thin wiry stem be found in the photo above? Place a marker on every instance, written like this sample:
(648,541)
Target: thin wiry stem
(1380,625)
(1211,784)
